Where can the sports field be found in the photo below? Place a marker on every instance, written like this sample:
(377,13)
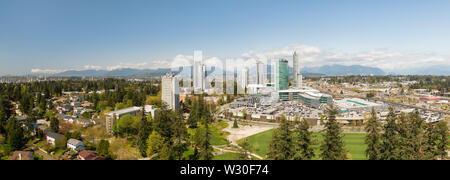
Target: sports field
(354,143)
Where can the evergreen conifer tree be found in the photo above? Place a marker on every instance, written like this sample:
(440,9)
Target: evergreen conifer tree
(333,145)
(144,130)
(304,150)
(373,137)
(206,150)
(281,146)
(390,138)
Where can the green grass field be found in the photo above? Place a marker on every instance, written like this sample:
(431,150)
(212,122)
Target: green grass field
(227,156)
(218,137)
(354,143)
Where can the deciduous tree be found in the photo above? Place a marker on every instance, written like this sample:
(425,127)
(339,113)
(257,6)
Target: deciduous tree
(103,148)
(155,144)
(245,150)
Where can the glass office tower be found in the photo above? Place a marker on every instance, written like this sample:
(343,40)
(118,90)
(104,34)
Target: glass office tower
(282,73)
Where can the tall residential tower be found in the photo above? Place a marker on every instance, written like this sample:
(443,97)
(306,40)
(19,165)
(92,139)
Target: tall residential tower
(297,76)
(170,91)
(259,72)
(198,71)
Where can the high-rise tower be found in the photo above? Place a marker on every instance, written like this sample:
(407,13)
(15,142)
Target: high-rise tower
(198,70)
(297,77)
(259,72)
(170,91)
(282,75)
(244,78)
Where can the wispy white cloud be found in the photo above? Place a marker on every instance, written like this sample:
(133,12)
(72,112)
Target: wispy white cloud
(310,56)
(383,59)
(48,71)
(92,67)
(155,64)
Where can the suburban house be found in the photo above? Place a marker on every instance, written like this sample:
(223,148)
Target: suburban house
(22,120)
(87,104)
(60,100)
(89,155)
(21,155)
(85,122)
(78,110)
(77,97)
(69,119)
(75,145)
(53,137)
(44,129)
(75,104)
(42,122)
(66,108)
(81,121)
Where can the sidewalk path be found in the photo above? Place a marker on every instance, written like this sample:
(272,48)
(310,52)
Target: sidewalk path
(221,151)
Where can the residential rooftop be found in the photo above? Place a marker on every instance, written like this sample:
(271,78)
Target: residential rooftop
(124,111)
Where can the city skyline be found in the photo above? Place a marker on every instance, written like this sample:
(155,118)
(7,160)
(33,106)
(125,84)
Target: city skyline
(52,36)
(223,80)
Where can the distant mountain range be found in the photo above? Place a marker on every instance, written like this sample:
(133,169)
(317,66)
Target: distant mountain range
(341,70)
(328,70)
(117,72)
(437,70)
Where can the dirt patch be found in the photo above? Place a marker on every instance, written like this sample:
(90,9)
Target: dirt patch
(246,129)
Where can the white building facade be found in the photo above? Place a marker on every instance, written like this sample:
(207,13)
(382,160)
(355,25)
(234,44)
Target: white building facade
(170,91)
(297,77)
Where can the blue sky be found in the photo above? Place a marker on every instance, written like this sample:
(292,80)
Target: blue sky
(71,34)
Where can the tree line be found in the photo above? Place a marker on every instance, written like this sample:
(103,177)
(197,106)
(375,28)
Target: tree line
(166,137)
(402,137)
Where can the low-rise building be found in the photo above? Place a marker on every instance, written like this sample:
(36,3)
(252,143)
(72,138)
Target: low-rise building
(44,129)
(75,104)
(75,145)
(69,119)
(87,104)
(43,122)
(357,104)
(151,110)
(113,116)
(53,137)
(66,108)
(75,120)
(85,122)
(308,97)
(89,155)
(21,155)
